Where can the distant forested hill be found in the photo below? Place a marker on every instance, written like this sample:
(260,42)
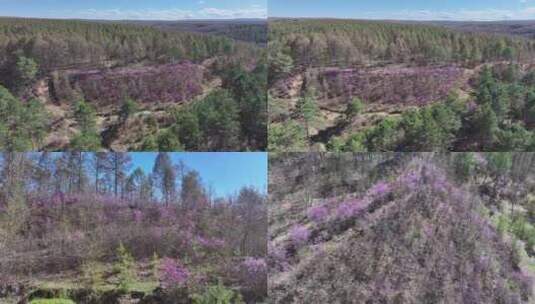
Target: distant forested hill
(250,30)
(323,42)
(59,43)
(524,28)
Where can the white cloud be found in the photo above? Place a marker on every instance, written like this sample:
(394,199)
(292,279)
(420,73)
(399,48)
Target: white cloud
(116,14)
(462,14)
(253,11)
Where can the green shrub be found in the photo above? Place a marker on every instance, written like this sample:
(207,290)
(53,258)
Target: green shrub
(125,266)
(155,265)
(502,225)
(92,273)
(354,108)
(218,294)
(464,165)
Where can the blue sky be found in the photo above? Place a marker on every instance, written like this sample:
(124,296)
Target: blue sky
(227,173)
(406,9)
(135,9)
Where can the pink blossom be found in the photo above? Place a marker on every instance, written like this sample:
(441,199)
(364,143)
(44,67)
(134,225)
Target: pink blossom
(379,189)
(172,273)
(410,179)
(318,214)
(137,216)
(350,208)
(255,266)
(299,235)
(277,257)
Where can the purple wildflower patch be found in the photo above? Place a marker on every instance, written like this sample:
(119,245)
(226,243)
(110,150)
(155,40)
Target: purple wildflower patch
(350,208)
(172,273)
(255,266)
(299,235)
(318,214)
(379,189)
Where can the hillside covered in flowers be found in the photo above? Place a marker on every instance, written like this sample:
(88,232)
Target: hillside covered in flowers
(371,86)
(402,228)
(92,228)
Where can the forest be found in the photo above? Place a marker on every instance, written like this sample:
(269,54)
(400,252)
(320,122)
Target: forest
(524,28)
(252,30)
(84,227)
(93,86)
(394,227)
(348,85)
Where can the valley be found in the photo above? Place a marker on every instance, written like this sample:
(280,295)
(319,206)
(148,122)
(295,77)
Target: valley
(90,86)
(362,85)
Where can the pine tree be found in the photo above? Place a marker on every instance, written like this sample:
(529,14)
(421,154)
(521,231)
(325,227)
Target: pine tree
(165,175)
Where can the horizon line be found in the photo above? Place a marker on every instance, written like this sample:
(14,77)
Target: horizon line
(126,19)
(405,20)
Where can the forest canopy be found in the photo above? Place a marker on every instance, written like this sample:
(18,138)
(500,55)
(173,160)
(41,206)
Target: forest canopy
(348,42)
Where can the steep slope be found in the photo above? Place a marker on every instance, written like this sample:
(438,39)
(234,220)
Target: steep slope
(413,237)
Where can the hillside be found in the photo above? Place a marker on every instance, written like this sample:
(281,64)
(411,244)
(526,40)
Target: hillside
(93,228)
(401,228)
(351,85)
(124,75)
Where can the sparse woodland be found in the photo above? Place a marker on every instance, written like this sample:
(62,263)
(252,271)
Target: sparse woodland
(92,228)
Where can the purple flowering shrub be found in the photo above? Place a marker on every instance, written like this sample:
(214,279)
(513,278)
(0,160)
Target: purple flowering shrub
(176,82)
(379,190)
(277,258)
(255,266)
(253,271)
(389,86)
(172,273)
(299,235)
(144,228)
(107,238)
(350,208)
(318,214)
